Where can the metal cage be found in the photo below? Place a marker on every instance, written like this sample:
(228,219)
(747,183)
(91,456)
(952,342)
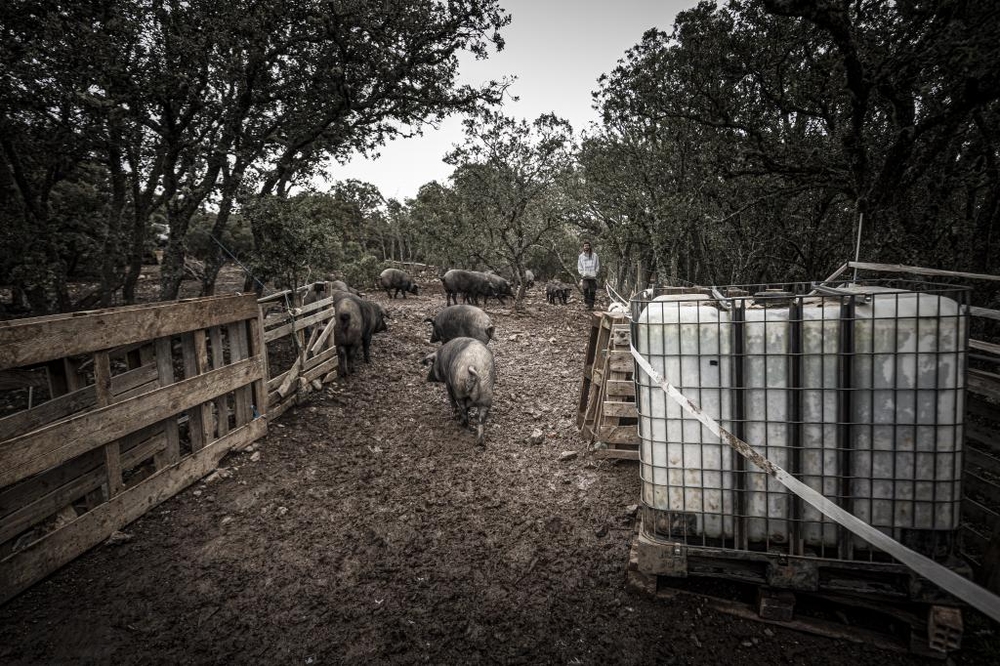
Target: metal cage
(856,388)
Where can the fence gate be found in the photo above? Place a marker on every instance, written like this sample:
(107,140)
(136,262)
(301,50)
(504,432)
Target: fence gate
(126,407)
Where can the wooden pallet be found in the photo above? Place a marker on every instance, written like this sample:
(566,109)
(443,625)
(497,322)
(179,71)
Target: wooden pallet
(607,411)
(843,600)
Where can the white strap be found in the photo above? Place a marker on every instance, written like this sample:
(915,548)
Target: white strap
(963,588)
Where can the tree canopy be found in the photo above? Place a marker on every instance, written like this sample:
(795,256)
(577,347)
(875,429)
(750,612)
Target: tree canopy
(746,144)
(173,105)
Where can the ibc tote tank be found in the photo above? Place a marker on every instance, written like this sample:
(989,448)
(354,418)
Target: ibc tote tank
(859,393)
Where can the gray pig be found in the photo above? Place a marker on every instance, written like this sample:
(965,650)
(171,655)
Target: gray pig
(501,288)
(357,320)
(461,321)
(557,291)
(320,290)
(471,284)
(466,368)
(395,281)
(340,285)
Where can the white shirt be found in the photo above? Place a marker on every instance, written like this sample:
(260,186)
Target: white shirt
(588,266)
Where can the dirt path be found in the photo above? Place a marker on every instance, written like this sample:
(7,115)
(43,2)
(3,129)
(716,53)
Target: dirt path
(368,528)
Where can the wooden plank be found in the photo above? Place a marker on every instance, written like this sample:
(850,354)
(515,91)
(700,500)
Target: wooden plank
(972,540)
(837,273)
(55,371)
(321,370)
(327,332)
(297,325)
(278,407)
(984,383)
(308,347)
(41,449)
(980,407)
(983,436)
(985,313)
(112,450)
(981,460)
(296,315)
(74,379)
(322,304)
(975,485)
(275,297)
(619,388)
(14,380)
(240,350)
(274,382)
(69,403)
(29,490)
(980,345)
(22,569)
(30,341)
(990,574)
(195,355)
(33,513)
(618,434)
(290,377)
(320,358)
(918,270)
(615,409)
(258,391)
(219,360)
(976,512)
(44,505)
(620,361)
(144,450)
(617,454)
(138,390)
(583,404)
(165,373)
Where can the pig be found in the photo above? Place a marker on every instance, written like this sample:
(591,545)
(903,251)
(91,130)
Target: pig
(466,367)
(471,284)
(501,288)
(340,285)
(557,291)
(320,290)
(395,281)
(529,279)
(357,320)
(461,321)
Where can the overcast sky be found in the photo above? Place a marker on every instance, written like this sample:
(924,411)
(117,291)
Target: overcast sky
(556,48)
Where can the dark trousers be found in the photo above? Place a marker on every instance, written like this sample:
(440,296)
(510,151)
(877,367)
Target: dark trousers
(589,291)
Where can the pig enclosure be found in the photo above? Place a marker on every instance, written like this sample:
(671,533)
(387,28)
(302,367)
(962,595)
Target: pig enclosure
(367,527)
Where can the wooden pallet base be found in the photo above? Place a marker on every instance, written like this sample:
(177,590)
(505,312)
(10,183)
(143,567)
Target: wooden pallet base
(607,411)
(925,629)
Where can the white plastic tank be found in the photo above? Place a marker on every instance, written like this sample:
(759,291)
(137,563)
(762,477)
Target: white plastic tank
(901,380)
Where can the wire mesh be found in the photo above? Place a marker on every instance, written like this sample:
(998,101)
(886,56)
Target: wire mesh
(857,389)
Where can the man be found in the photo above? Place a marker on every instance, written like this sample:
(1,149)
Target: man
(588,265)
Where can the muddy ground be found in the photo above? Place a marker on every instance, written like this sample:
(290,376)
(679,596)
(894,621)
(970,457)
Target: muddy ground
(367,527)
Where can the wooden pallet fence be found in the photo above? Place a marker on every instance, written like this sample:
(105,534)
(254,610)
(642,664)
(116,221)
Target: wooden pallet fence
(981,471)
(137,403)
(607,410)
(308,332)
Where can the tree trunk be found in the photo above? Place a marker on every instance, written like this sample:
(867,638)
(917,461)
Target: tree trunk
(172,268)
(179,216)
(111,260)
(134,266)
(230,181)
